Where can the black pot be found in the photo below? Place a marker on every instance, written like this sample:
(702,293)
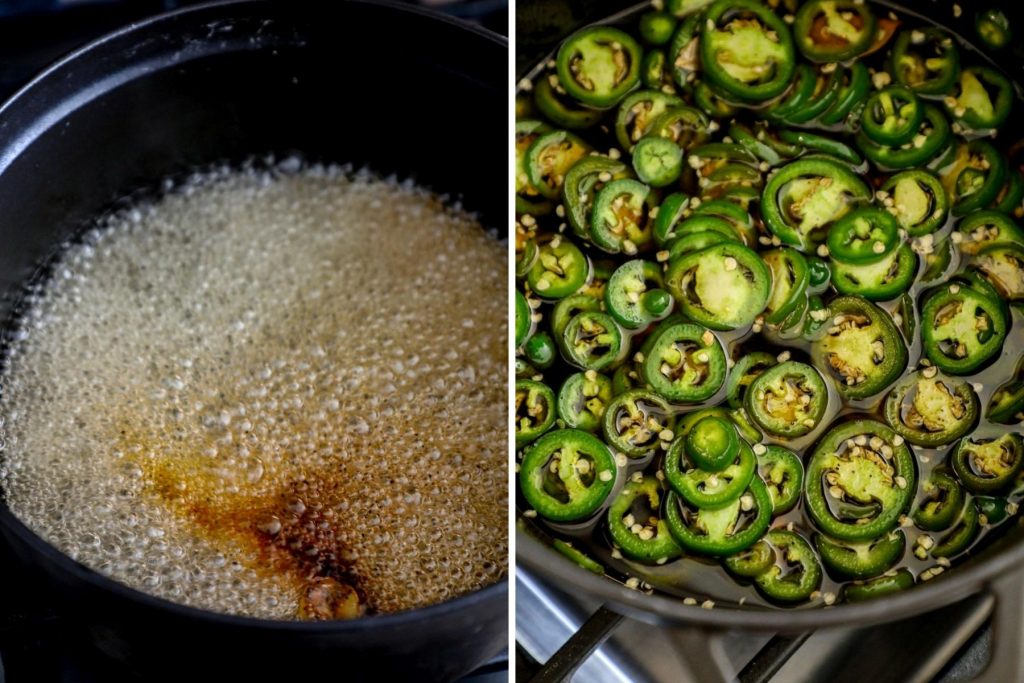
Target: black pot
(541,25)
(398,89)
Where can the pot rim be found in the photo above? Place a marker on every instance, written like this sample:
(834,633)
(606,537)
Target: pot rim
(494,592)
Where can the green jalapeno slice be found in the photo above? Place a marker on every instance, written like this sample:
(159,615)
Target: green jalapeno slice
(790,279)
(634,421)
(746,370)
(860,479)
(961,536)
(746,50)
(783,475)
(535,410)
(528,197)
(592,340)
(524,321)
(974,176)
(1007,403)
(737,216)
(657,161)
(620,221)
(560,269)
(636,525)
(920,203)
(712,444)
(723,287)
(566,309)
(561,109)
(932,137)
(654,73)
(685,126)
(763,144)
(942,503)
(751,562)
(566,475)
(599,65)
(637,112)
(929,409)
(892,116)
(796,572)
(862,349)
(722,531)
(657,27)
(1003,266)
(982,100)
(985,228)
(582,183)
(704,489)
(540,350)
(833,30)
(634,297)
(550,157)
(880,281)
(862,560)
(670,212)
(993,28)
(926,61)
(582,400)
(804,198)
(828,84)
(855,87)
(683,362)
(787,400)
(989,465)
(805,84)
(578,557)
(683,52)
(887,584)
(992,510)
(863,236)
(810,142)
(961,329)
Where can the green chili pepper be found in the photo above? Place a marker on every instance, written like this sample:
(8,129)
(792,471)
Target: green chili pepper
(961,536)
(636,526)
(540,350)
(751,562)
(524,321)
(704,489)
(931,139)
(805,83)
(566,475)
(928,409)
(561,109)
(654,73)
(723,287)
(991,510)
(796,572)
(592,340)
(657,161)
(988,465)
(829,82)
(892,116)
(862,350)
(1002,265)
(550,157)
(638,112)
(685,126)
(634,297)
(861,560)
(942,504)
(993,28)
(961,329)
(712,444)
(887,584)
(920,203)
(975,177)
(1007,403)
(578,556)
(528,197)
(859,481)
(1011,197)
(599,65)
(746,370)
(670,212)
(783,474)
(746,50)
(863,236)
(985,228)
(560,269)
(821,144)
(854,90)
(723,531)
(535,410)
(583,399)
(683,53)
(804,198)
(787,400)
(880,281)
(633,422)
(683,362)
(972,104)
(620,221)
(582,183)
(929,65)
(657,27)
(566,309)
(833,30)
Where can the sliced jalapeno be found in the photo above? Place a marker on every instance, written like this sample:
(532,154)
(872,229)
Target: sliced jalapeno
(637,112)
(636,525)
(859,481)
(855,87)
(550,157)
(880,281)
(942,503)
(928,409)
(599,65)
(932,137)
(722,287)
(973,103)
(763,144)
(751,562)
(926,61)
(566,475)
(704,489)
(657,161)
(993,28)
(746,370)
(920,203)
(892,116)
(669,214)
(560,269)
(1007,403)
(1010,199)
(738,217)
(861,560)
(712,444)
(621,221)
(991,510)
(783,474)
(578,556)
(540,350)
(833,30)
(582,183)
(985,228)
(961,536)
(1003,266)
(989,465)
(582,400)
(961,329)
(535,410)
(863,236)
(634,297)
(787,400)
(683,52)
(790,279)
(862,349)
(796,573)
(592,340)
(887,584)
(524,322)
(829,82)
(804,198)
(654,71)
(657,27)
(723,531)
(560,108)
(746,50)
(566,309)
(683,362)
(810,142)
(529,199)
(685,126)
(633,422)
(805,83)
